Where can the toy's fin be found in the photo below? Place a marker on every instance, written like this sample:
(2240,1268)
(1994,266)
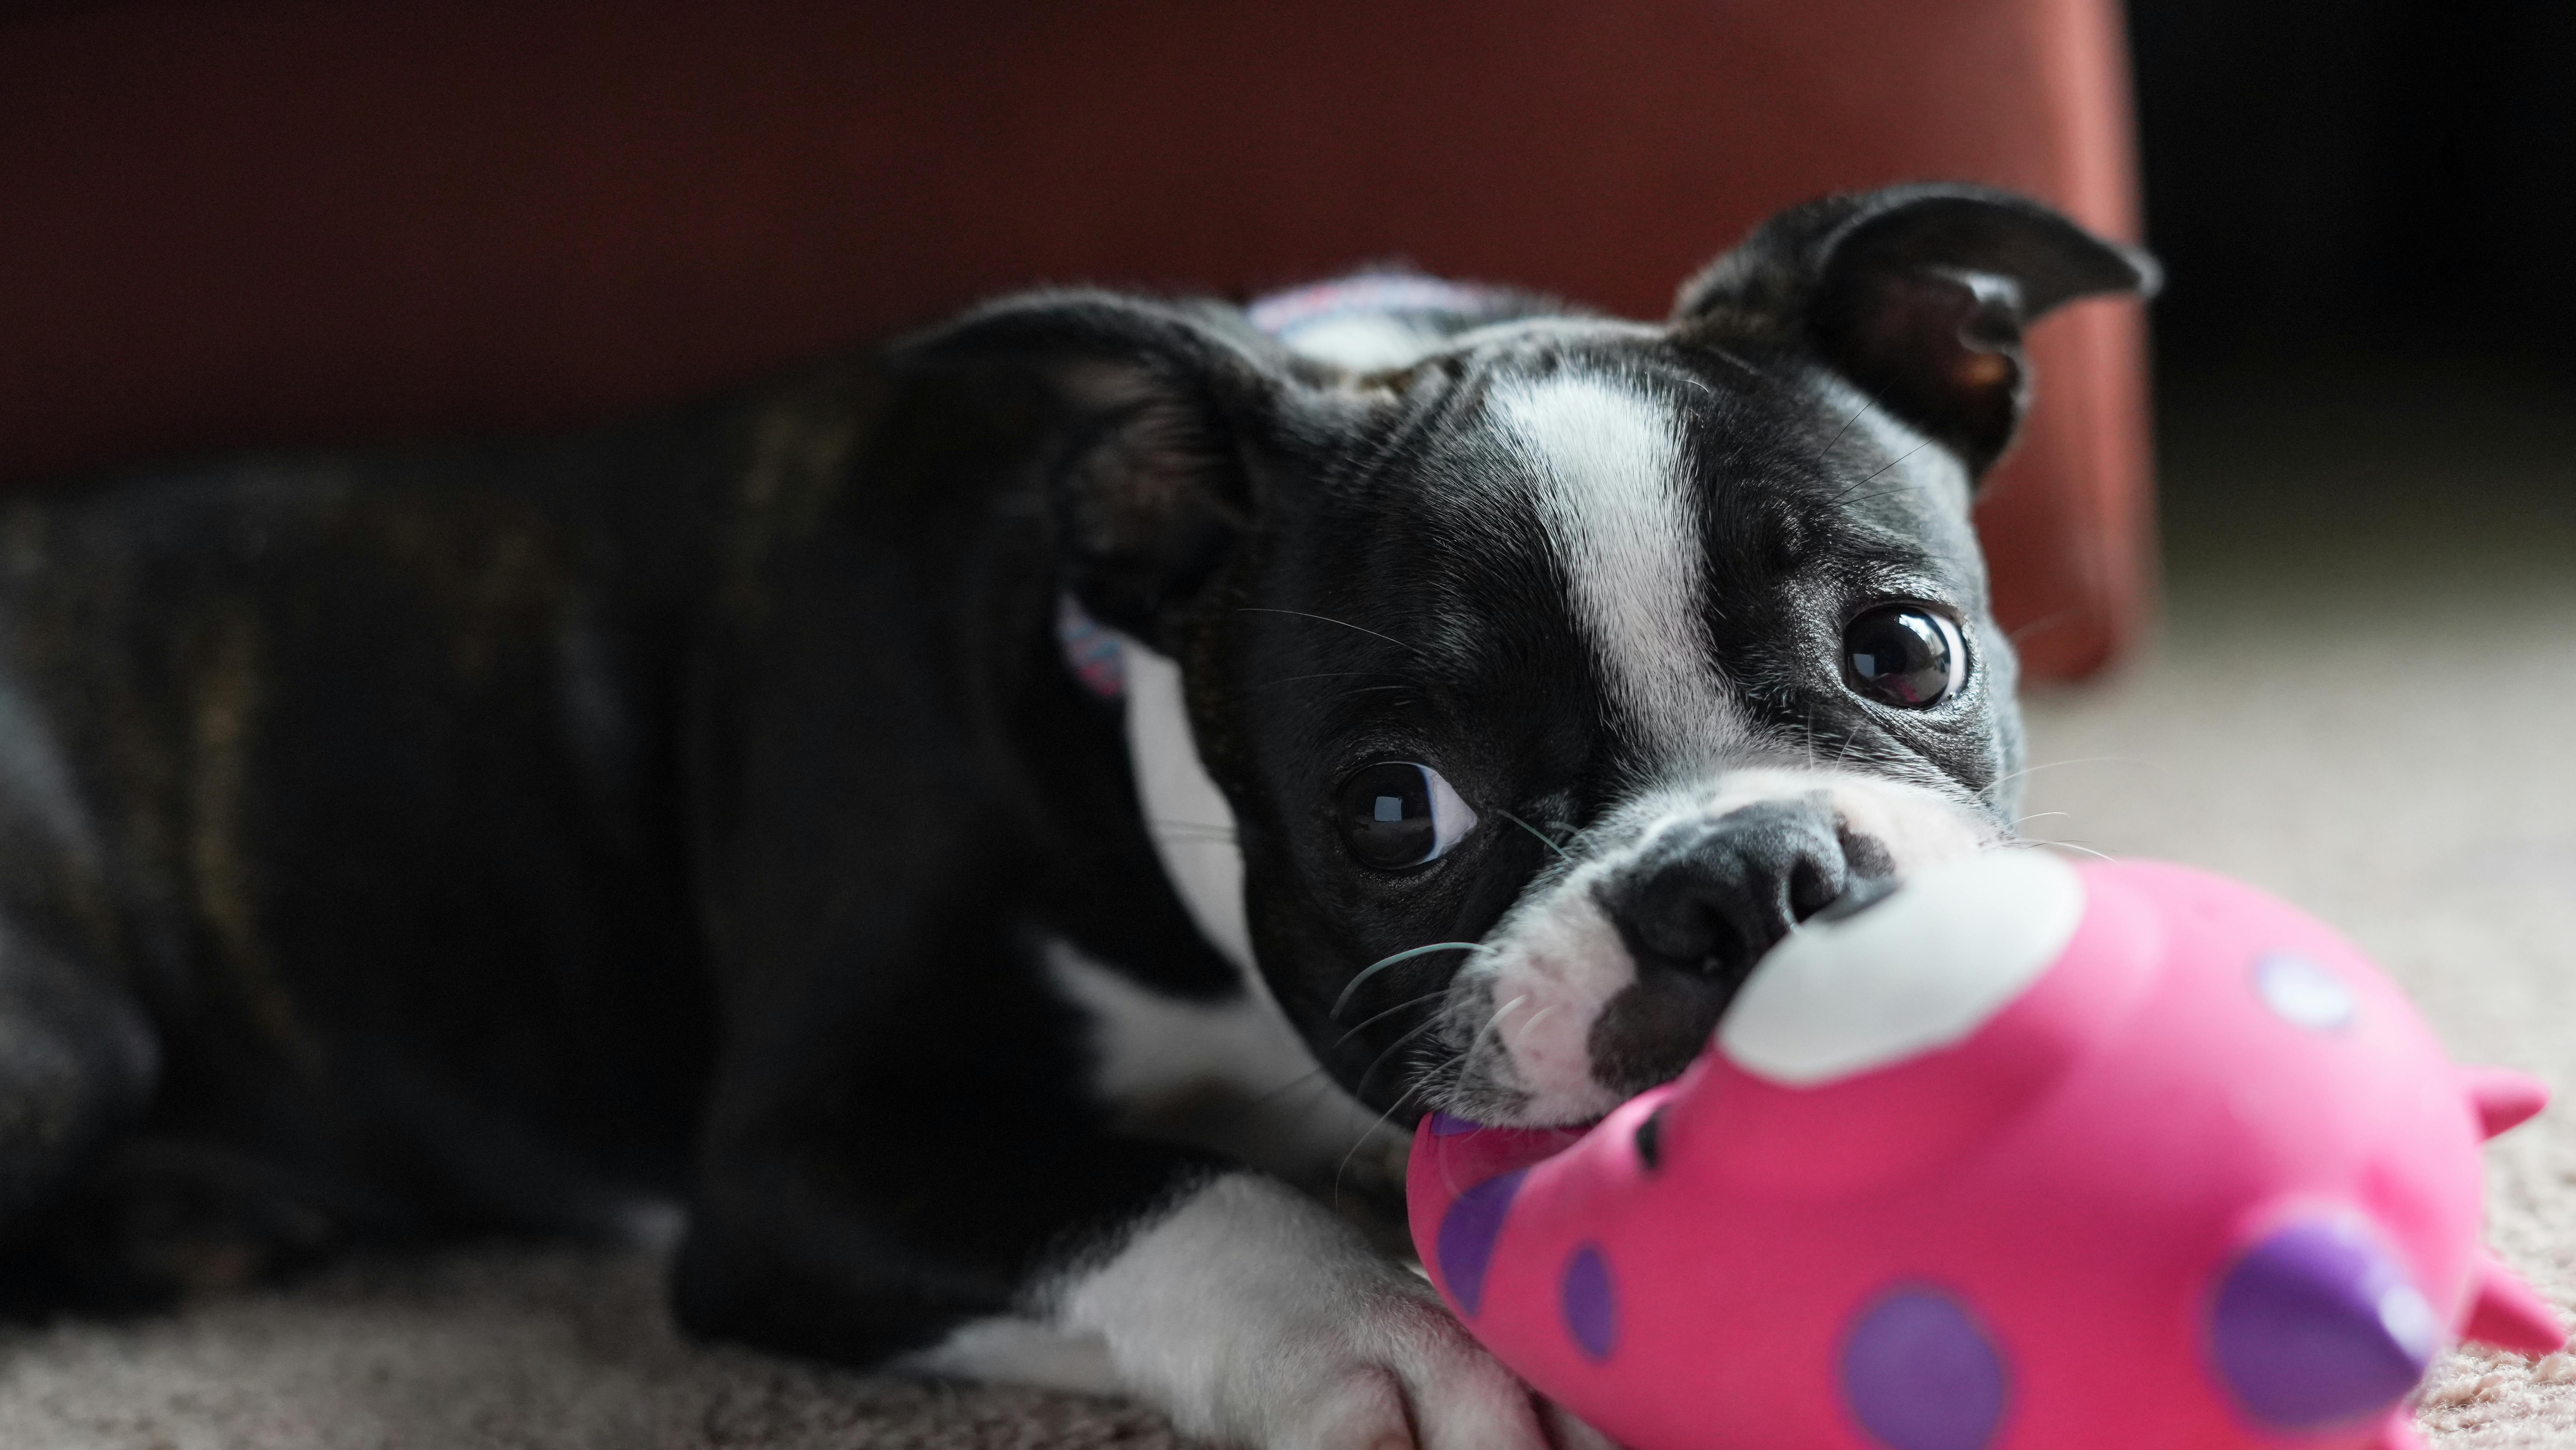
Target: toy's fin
(2510,1314)
(2504,1098)
(2398,1434)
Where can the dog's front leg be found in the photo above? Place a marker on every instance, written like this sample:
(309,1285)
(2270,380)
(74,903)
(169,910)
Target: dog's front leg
(1253,1316)
(1016,1248)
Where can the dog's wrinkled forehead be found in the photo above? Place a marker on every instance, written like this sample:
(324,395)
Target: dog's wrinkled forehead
(1656,516)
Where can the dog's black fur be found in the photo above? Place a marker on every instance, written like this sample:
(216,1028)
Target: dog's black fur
(400,844)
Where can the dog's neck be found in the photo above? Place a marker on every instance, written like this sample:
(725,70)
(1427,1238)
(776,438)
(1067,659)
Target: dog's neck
(1185,815)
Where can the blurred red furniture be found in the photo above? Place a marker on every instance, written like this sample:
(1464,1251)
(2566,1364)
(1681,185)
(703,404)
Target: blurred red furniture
(271,222)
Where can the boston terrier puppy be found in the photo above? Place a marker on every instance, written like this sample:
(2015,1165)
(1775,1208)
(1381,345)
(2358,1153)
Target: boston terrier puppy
(989,847)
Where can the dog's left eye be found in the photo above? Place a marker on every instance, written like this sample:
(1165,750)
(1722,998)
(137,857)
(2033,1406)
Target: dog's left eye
(1904,655)
(1396,814)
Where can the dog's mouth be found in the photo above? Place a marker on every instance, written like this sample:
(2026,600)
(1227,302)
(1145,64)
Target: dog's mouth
(1536,1052)
(1611,975)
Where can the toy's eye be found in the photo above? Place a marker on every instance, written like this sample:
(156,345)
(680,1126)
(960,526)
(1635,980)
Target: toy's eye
(1904,655)
(1395,815)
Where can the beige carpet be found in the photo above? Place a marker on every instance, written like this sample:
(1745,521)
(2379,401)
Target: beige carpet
(2362,699)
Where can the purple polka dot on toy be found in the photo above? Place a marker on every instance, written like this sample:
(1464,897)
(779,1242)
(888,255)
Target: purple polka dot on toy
(2315,1326)
(1445,1125)
(1467,1237)
(1920,1374)
(1590,1302)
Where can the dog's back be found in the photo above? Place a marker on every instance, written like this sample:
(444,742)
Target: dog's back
(360,778)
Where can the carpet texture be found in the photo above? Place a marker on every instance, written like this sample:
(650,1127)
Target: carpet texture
(2358,701)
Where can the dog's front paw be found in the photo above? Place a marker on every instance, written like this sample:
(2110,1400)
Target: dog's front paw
(1392,1371)
(1255,1318)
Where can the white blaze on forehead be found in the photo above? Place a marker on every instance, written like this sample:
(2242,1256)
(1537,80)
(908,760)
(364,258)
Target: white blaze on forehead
(1604,459)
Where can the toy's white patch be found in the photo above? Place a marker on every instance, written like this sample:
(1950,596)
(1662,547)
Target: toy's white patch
(2303,993)
(1185,813)
(1922,970)
(1605,460)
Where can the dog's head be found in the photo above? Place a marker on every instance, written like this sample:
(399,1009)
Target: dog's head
(1555,671)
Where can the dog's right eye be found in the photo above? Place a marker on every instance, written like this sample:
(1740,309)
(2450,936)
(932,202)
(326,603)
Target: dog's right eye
(1396,815)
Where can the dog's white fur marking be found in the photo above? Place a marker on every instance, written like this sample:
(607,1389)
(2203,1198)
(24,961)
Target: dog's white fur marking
(1147,1046)
(1920,971)
(1233,1076)
(1604,460)
(1551,968)
(1523,1009)
(1019,1351)
(1185,813)
(1230,1075)
(1252,1316)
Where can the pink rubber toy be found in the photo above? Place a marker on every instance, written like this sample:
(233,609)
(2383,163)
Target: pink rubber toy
(2024,1157)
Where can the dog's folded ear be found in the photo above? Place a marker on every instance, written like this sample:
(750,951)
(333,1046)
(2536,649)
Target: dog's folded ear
(1918,294)
(1146,416)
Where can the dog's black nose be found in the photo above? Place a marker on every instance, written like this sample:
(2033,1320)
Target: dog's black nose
(1710,898)
(1696,910)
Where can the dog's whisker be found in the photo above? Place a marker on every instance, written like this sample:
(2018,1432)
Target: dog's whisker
(1328,619)
(1535,1018)
(1382,963)
(1319,675)
(1846,495)
(1456,1067)
(1491,1021)
(2041,625)
(1875,497)
(2004,780)
(1302,1079)
(1361,1085)
(1247,1109)
(1367,1023)
(1543,837)
(1345,1166)
(1865,405)
(2037,845)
